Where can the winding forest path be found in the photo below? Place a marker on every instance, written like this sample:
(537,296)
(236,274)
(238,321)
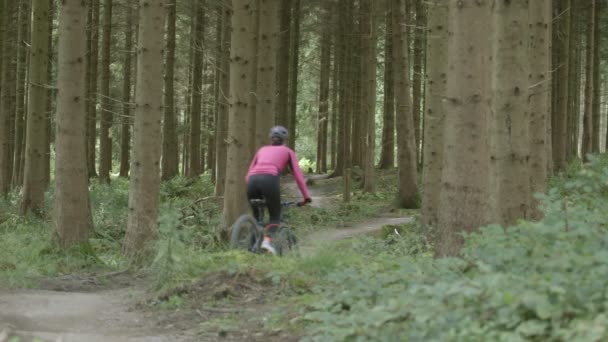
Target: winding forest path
(108,315)
(74,316)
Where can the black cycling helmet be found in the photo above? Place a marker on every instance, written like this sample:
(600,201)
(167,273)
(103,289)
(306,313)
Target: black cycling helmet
(279,132)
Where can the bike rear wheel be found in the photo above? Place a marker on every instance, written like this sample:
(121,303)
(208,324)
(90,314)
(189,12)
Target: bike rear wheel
(245,233)
(285,241)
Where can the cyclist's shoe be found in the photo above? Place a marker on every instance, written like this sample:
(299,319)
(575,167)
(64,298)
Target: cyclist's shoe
(267,246)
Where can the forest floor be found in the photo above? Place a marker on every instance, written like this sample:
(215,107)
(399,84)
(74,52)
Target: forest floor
(223,305)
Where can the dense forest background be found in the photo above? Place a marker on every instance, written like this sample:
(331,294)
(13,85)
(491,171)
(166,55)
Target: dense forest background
(126,130)
(360,85)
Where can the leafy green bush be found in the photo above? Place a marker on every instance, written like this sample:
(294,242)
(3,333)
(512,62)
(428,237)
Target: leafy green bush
(535,281)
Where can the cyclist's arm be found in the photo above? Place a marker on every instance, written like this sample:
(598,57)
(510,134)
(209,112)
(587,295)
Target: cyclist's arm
(298,175)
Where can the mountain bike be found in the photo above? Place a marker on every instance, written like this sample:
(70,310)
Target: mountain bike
(248,233)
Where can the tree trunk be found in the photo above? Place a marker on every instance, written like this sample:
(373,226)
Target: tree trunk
(510,141)
(221,130)
(194,154)
(387,154)
(216,90)
(266,75)
(49,96)
(560,119)
(343,151)
(357,136)
(144,184)
(419,31)
(368,91)
(282,103)
(22,55)
(349,94)
(406,138)
(3,121)
(105,141)
(72,216)
(34,180)
(7,96)
(125,132)
(335,86)
(574,85)
(92,95)
(294,71)
(324,78)
(243,47)
(597,94)
(539,102)
(465,183)
(170,153)
(589,76)
(437,62)
(188,94)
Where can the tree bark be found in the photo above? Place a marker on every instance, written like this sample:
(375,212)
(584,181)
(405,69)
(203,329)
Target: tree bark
(170,154)
(294,70)
(357,136)
(437,62)
(348,95)
(406,138)
(92,95)
(368,92)
(324,79)
(510,141)
(243,47)
(588,123)
(335,87)
(72,216)
(465,179)
(144,184)
(266,75)
(575,82)
(217,76)
(387,154)
(7,96)
(539,102)
(419,32)
(22,56)
(559,126)
(222,118)
(107,118)
(34,180)
(342,60)
(125,132)
(282,103)
(597,75)
(194,155)
(50,96)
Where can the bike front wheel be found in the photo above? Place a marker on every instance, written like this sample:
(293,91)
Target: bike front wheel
(245,233)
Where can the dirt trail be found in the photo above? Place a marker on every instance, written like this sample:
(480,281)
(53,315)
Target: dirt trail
(314,241)
(107,315)
(73,316)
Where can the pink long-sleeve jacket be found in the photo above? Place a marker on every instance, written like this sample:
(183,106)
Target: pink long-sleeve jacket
(272,159)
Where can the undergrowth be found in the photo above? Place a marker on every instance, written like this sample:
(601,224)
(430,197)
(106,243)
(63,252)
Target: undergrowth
(188,244)
(536,281)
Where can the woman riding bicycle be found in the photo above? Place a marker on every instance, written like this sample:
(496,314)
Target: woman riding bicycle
(263,180)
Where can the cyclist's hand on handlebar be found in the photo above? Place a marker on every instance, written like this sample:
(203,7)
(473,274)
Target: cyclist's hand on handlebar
(304,202)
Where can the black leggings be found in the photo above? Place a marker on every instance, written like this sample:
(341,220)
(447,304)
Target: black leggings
(266,187)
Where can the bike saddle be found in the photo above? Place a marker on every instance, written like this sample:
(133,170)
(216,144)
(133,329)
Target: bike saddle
(257,201)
